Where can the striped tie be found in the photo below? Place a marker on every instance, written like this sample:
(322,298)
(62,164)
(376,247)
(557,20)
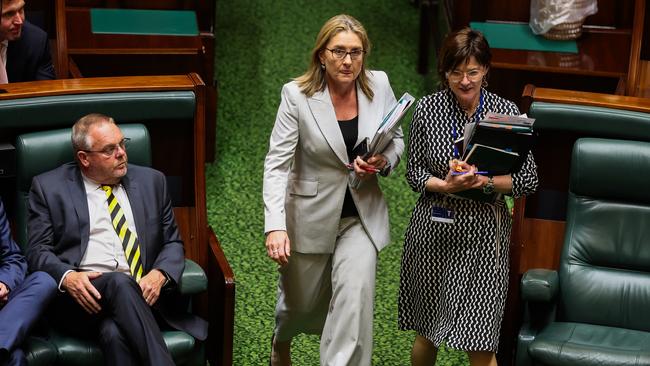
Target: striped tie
(129,240)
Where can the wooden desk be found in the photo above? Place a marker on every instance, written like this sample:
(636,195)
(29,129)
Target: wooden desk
(601,65)
(82,41)
(611,40)
(81,53)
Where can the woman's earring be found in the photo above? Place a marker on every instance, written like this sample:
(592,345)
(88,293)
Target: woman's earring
(322,66)
(484,82)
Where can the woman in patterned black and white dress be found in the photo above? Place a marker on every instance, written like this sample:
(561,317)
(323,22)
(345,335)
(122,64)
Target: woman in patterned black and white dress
(454,274)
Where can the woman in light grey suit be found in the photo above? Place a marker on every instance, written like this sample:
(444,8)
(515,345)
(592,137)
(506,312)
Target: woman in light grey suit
(325,233)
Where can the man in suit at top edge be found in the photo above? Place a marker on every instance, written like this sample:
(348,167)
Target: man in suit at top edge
(24,48)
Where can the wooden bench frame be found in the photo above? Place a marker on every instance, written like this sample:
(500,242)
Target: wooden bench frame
(201,243)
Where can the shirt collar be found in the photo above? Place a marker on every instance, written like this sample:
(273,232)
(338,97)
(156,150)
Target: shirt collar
(91,185)
(3,50)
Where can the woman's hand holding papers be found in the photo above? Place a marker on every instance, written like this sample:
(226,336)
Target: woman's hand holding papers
(467,179)
(366,168)
(460,177)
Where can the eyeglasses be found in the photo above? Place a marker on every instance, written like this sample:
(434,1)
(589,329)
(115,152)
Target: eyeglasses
(472,75)
(111,149)
(340,53)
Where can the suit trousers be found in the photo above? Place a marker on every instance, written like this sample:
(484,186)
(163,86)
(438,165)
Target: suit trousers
(332,294)
(126,327)
(24,307)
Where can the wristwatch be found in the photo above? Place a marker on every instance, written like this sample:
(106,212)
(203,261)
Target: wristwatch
(488,188)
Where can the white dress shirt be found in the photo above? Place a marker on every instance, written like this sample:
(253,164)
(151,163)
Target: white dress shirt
(3,61)
(104,252)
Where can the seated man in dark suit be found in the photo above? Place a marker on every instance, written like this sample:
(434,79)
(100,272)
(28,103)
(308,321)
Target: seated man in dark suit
(105,230)
(22,299)
(24,48)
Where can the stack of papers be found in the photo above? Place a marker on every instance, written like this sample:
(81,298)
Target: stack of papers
(389,124)
(385,132)
(500,131)
(496,145)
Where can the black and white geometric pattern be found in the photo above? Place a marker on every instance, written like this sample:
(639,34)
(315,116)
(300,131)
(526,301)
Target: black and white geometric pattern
(454,277)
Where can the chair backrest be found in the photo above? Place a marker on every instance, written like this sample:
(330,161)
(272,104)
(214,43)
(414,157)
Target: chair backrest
(39,152)
(605,262)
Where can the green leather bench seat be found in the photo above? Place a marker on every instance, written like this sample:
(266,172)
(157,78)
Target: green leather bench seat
(81,352)
(578,344)
(594,309)
(39,352)
(594,121)
(557,126)
(59,111)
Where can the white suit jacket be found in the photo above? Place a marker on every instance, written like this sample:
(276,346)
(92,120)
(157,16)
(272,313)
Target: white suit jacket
(305,173)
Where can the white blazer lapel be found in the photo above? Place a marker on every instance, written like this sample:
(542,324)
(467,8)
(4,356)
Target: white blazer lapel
(369,117)
(322,109)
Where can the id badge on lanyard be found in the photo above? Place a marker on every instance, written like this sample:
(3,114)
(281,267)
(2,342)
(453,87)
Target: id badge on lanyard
(442,214)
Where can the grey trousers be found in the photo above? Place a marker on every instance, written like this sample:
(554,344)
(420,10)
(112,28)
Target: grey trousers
(333,295)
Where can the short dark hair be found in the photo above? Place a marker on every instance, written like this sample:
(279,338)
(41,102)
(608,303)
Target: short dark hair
(458,47)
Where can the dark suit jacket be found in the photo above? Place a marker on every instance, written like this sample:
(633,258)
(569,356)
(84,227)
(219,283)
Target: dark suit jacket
(58,230)
(12,263)
(29,57)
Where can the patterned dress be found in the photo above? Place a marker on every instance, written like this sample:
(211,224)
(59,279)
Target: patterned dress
(454,276)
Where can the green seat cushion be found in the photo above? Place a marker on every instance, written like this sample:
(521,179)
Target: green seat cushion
(578,344)
(193,279)
(75,351)
(39,352)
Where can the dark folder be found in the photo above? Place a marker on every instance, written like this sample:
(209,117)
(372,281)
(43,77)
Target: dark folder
(492,160)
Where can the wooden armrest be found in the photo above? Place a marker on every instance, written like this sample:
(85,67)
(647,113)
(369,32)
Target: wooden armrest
(221,302)
(534,94)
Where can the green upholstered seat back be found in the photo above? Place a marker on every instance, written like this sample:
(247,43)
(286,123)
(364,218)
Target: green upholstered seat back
(591,121)
(61,110)
(605,262)
(38,152)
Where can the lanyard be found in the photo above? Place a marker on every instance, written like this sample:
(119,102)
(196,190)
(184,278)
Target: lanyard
(455,122)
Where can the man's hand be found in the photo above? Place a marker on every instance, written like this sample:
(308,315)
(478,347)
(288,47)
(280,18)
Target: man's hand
(151,285)
(78,285)
(4,293)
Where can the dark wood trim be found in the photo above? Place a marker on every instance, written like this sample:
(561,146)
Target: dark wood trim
(221,328)
(61,41)
(629,103)
(635,51)
(33,89)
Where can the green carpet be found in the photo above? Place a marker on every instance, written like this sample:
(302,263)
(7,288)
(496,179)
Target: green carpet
(260,46)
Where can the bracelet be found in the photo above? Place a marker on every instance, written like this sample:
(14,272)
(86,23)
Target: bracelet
(488,188)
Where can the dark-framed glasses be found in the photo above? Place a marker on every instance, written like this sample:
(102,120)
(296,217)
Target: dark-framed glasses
(340,53)
(109,150)
(457,76)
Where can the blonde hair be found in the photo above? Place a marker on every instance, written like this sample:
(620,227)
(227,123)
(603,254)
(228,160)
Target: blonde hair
(313,80)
